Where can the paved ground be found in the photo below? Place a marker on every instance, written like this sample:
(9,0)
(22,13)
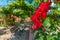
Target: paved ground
(5,34)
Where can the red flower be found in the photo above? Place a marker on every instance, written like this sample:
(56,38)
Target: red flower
(34,27)
(44,15)
(40,13)
(37,25)
(45,6)
(40,24)
(36,17)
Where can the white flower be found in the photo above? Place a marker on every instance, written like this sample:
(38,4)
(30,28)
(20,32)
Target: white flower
(50,11)
(53,4)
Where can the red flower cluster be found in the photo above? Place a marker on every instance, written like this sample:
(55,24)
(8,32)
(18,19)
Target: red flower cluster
(40,14)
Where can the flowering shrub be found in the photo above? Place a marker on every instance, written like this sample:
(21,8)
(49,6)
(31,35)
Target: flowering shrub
(46,19)
(40,14)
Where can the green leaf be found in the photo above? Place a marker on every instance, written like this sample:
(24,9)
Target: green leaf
(57,12)
(41,38)
(54,27)
(39,1)
(58,4)
(46,0)
(47,22)
(35,33)
(50,38)
(1,10)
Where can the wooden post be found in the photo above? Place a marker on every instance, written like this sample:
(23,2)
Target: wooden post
(31,34)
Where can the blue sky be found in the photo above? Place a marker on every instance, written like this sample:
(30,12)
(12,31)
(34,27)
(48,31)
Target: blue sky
(5,2)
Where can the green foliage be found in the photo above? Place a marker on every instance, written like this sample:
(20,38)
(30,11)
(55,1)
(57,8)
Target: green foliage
(47,22)
(57,12)
(39,1)
(51,25)
(23,9)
